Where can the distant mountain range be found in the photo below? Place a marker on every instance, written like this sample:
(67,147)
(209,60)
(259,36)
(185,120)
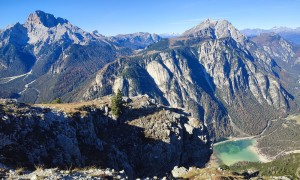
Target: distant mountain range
(292,35)
(184,93)
(232,83)
(47,51)
(169,35)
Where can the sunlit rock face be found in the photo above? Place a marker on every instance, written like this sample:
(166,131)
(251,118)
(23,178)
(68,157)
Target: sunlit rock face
(212,70)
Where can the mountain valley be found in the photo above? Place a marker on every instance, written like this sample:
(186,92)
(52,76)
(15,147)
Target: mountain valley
(181,95)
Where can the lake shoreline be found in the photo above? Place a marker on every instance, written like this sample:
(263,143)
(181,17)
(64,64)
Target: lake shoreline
(252,149)
(262,157)
(234,139)
(255,147)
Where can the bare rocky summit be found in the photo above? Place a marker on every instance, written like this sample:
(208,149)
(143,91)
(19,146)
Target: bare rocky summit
(216,29)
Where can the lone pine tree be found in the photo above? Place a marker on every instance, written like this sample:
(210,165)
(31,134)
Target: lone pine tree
(116,104)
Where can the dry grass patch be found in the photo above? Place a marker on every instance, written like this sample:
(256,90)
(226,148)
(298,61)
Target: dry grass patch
(20,170)
(82,169)
(98,174)
(294,117)
(39,168)
(210,173)
(71,108)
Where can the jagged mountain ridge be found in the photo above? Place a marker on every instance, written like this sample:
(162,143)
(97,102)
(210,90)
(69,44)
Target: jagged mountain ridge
(282,51)
(228,84)
(290,34)
(139,40)
(53,46)
(286,55)
(47,51)
(212,70)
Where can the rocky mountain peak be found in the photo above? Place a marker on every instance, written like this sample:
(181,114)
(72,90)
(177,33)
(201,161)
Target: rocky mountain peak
(15,34)
(216,29)
(44,28)
(45,19)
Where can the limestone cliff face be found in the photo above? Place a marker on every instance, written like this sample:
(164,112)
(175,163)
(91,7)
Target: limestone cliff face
(213,71)
(147,140)
(234,69)
(285,53)
(287,57)
(172,80)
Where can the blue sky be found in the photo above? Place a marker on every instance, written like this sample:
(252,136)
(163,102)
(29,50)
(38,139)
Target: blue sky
(111,17)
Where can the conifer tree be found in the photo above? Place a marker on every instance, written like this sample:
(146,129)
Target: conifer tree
(116,104)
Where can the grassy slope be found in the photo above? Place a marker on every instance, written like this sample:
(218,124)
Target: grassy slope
(288,165)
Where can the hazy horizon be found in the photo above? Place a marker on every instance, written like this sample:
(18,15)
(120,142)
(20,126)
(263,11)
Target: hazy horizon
(167,16)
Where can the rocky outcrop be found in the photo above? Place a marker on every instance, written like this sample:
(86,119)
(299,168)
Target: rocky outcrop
(56,173)
(146,140)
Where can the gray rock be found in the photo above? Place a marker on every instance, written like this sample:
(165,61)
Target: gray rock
(126,99)
(152,101)
(178,172)
(106,110)
(34,177)
(156,136)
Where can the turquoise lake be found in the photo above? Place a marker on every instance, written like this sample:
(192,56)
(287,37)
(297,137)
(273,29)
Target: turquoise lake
(234,151)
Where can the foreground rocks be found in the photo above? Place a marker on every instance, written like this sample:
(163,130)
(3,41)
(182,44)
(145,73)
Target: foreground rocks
(55,173)
(146,140)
